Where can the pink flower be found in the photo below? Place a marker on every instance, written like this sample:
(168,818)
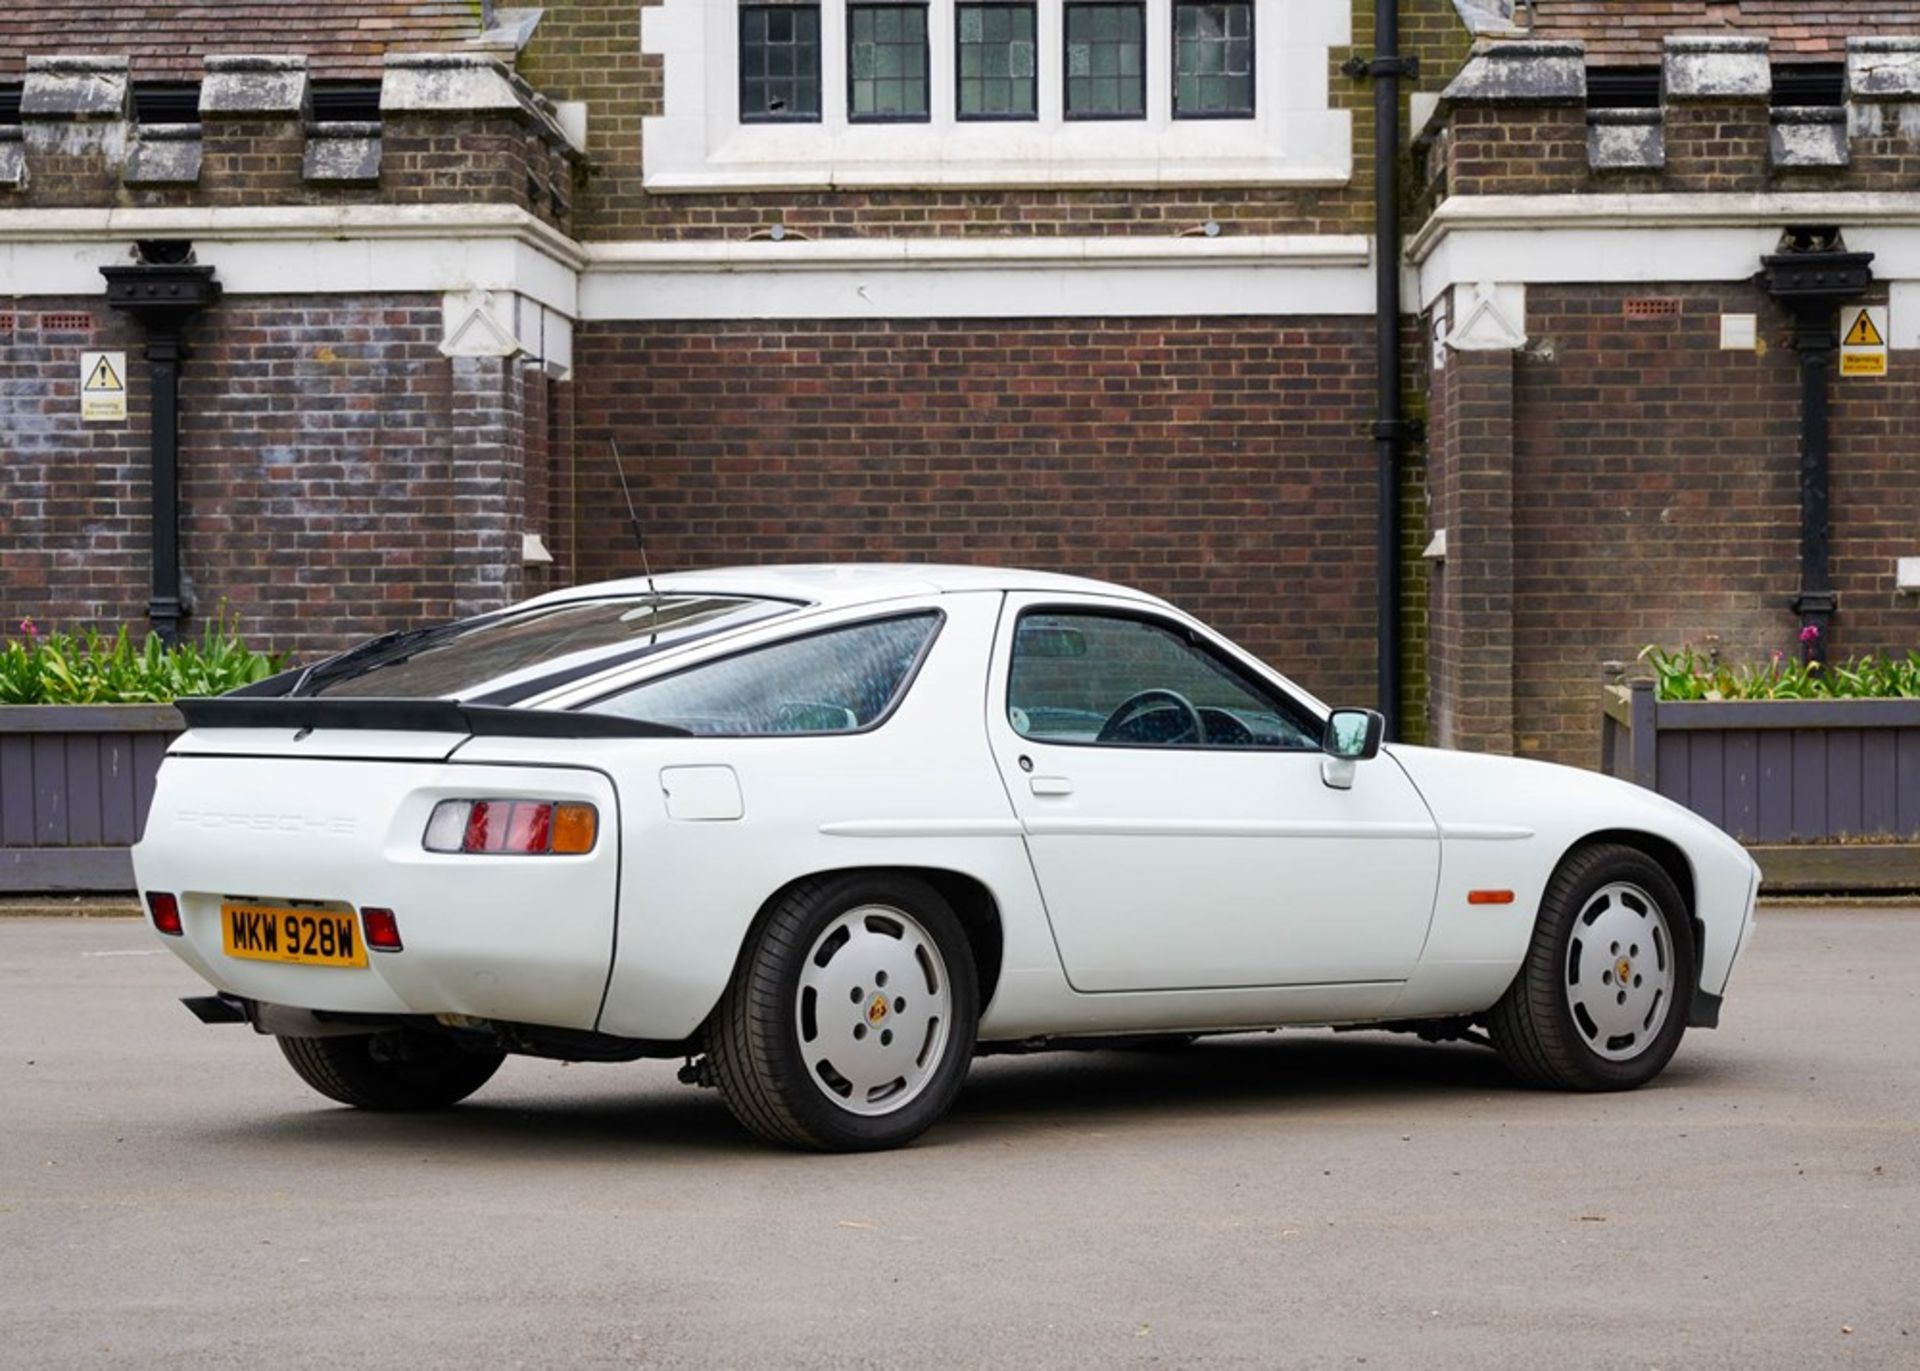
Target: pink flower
(27,627)
(1810,633)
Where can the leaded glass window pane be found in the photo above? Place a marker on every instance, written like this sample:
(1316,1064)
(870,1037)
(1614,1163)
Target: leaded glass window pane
(887,61)
(779,63)
(995,56)
(1212,60)
(1106,61)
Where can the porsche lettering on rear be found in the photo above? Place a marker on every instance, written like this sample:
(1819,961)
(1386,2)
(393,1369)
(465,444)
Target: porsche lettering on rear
(831,830)
(339,826)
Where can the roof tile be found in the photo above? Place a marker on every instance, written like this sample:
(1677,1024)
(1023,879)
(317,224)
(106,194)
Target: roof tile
(343,39)
(1630,32)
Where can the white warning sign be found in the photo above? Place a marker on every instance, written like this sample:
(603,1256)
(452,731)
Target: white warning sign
(103,387)
(1863,340)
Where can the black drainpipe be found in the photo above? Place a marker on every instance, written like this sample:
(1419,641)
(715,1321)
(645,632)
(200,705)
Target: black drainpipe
(1390,429)
(1812,275)
(163,293)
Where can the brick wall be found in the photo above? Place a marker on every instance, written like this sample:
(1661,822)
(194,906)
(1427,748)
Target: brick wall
(1654,499)
(1221,463)
(168,40)
(339,476)
(72,497)
(425,159)
(1470,699)
(590,50)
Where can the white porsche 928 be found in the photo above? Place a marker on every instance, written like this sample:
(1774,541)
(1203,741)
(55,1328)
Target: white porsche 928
(827,832)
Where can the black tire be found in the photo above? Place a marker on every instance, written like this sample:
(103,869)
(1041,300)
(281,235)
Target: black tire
(754,1042)
(391,1072)
(1535,1026)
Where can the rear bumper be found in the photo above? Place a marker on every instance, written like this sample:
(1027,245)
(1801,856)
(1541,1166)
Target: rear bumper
(520,939)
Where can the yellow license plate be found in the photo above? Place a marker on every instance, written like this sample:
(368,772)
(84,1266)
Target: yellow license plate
(277,933)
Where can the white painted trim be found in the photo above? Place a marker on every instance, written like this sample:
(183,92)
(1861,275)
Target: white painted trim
(697,143)
(1613,239)
(1903,301)
(798,254)
(292,221)
(989,278)
(1492,319)
(459,250)
(303,249)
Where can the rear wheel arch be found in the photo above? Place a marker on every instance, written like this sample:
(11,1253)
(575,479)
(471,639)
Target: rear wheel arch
(972,902)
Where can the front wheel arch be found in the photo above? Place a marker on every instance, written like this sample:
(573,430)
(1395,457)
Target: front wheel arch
(1672,860)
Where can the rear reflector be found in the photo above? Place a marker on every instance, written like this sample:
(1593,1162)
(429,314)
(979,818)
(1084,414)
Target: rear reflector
(383,930)
(1489,897)
(166,912)
(532,828)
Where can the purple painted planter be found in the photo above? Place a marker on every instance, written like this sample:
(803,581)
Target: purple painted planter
(75,784)
(1827,792)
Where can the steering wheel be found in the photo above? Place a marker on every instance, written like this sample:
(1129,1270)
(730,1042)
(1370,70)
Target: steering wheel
(1129,707)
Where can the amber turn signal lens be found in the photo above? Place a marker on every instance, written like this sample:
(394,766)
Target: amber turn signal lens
(1489,897)
(574,829)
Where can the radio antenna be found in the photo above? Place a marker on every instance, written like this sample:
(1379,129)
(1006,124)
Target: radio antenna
(633,518)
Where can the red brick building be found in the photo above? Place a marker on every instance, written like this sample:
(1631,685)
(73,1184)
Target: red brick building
(1087,286)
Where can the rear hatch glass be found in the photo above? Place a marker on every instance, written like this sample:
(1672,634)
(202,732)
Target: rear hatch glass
(506,657)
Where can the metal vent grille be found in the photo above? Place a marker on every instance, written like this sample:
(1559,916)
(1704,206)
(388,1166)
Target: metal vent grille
(354,101)
(1651,307)
(166,102)
(1810,83)
(1623,88)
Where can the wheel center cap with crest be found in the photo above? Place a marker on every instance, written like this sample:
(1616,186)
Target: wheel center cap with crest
(877,1010)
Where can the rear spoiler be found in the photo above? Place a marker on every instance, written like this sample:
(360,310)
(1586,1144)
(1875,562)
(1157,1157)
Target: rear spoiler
(412,716)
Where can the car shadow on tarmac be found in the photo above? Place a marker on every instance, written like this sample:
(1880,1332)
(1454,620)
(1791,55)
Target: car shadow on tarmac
(1280,1076)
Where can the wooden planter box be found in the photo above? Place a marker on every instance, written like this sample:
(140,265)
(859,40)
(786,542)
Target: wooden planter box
(1826,793)
(75,783)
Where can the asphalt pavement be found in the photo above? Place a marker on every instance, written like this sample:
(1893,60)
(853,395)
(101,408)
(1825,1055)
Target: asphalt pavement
(171,1195)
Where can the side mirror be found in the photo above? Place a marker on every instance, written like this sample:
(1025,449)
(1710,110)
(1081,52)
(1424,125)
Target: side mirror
(1352,736)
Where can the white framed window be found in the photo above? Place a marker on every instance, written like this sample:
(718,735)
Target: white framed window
(996,60)
(779,64)
(995,93)
(887,62)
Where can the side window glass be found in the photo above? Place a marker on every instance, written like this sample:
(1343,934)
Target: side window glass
(1122,682)
(838,681)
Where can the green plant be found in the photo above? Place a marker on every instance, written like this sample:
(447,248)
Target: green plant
(1687,674)
(40,668)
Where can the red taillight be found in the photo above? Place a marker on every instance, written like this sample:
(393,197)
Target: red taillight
(512,827)
(474,839)
(383,930)
(166,912)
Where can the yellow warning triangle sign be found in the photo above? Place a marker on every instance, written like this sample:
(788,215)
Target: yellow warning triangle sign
(1863,334)
(103,377)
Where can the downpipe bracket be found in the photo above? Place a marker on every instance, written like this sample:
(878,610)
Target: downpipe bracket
(1357,67)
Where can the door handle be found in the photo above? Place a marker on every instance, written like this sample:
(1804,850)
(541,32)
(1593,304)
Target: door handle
(1050,785)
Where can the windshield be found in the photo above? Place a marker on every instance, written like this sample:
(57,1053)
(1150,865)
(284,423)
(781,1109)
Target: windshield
(513,654)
